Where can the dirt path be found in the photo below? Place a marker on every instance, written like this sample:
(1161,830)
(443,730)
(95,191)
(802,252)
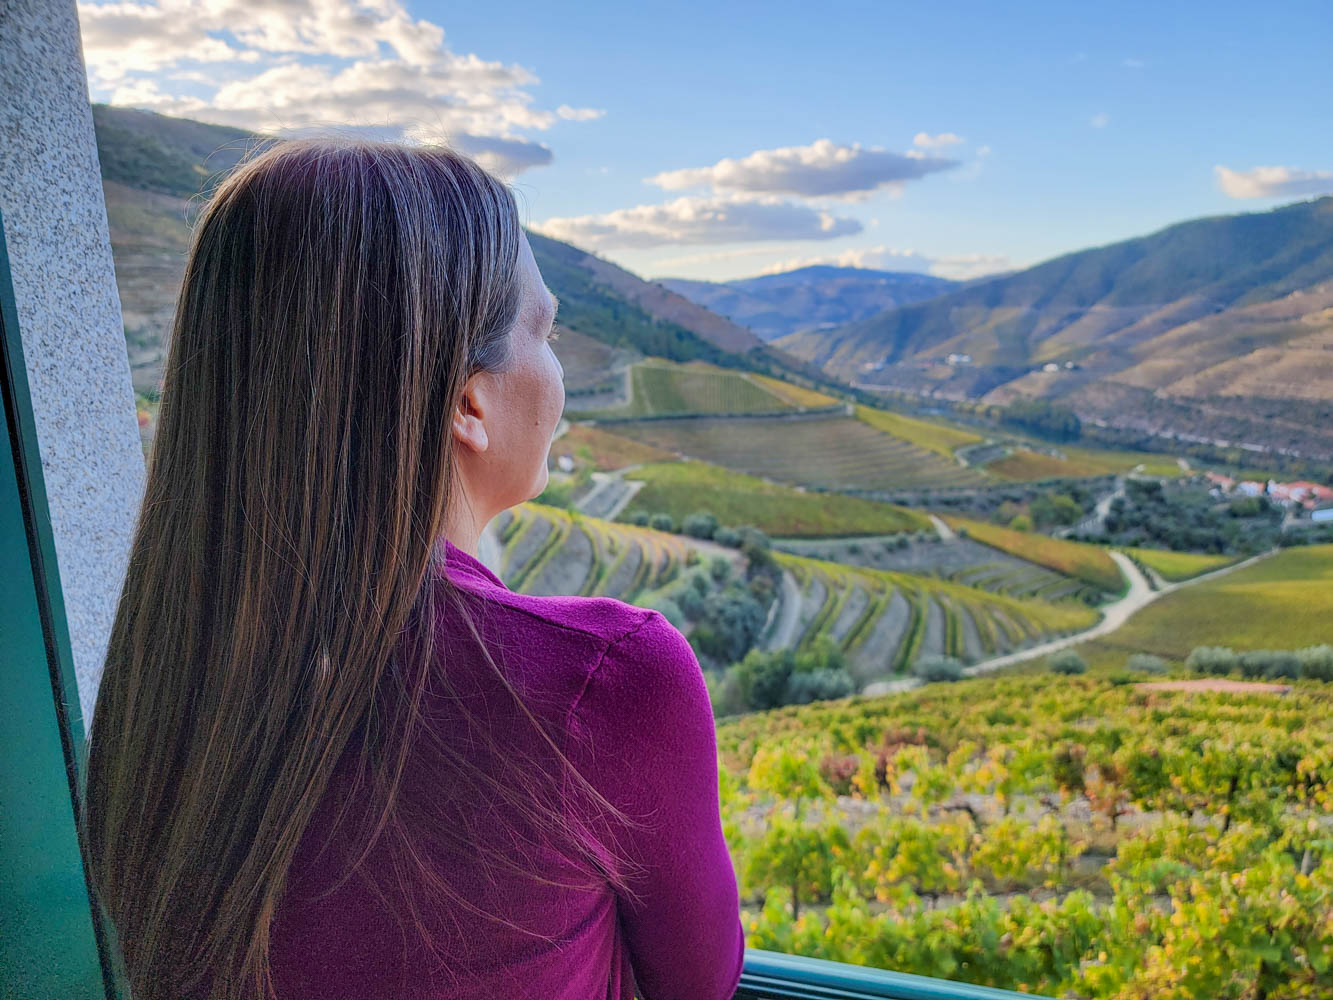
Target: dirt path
(782,635)
(943,530)
(1096,521)
(610,494)
(631,487)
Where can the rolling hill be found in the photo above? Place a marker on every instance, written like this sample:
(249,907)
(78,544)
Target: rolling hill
(154,168)
(1221,328)
(818,297)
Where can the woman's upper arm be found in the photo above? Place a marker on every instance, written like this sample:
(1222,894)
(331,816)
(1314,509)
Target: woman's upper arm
(650,746)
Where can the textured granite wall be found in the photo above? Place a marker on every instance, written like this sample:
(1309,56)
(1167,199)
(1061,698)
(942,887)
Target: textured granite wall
(69,316)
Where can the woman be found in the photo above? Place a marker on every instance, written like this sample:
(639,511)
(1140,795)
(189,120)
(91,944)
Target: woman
(333,755)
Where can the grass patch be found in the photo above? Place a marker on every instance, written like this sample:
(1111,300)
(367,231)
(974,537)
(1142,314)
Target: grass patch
(1282,602)
(681,488)
(939,438)
(1089,563)
(1154,463)
(1176,566)
(658,388)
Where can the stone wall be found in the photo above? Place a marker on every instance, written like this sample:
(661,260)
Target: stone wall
(69,316)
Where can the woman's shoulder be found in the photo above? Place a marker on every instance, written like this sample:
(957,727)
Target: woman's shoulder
(602,620)
(595,648)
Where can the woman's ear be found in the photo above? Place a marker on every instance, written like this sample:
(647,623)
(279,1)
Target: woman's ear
(469,423)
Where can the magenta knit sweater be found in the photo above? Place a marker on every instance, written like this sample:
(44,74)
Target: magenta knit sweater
(625,697)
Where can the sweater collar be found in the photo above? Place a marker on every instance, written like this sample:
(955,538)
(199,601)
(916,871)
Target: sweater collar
(458,562)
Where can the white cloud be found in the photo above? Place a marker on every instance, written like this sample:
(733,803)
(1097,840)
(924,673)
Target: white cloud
(354,65)
(689,220)
(1100,120)
(579,114)
(1274,182)
(961,267)
(1132,63)
(822,169)
(668,266)
(927,141)
(983,152)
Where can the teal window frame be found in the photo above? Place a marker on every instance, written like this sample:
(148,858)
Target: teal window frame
(53,939)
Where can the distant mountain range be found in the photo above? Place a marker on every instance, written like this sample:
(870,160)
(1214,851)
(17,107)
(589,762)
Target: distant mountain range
(809,298)
(1220,328)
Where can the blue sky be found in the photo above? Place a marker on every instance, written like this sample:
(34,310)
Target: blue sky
(958,139)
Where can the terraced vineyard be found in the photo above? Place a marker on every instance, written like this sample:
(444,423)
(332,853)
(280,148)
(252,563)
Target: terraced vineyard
(1089,563)
(546,550)
(885,621)
(959,559)
(882,620)
(832,451)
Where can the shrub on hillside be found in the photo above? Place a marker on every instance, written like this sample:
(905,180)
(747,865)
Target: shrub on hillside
(1269,663)
(719,568)
(1146,663)
(1021,522)
(818,685)
(700,524)
(1316,662)
(1216,660)
(1066,661)
(731,623)
(662,522)
(729,537)
(764,680)
(753,538)
(761,587)
(1055,509)
(639,517)
(761,678)
(693,597)
(757,549)
(935,668)
(1312,662)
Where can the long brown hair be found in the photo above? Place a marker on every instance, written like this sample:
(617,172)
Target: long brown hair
(337,296)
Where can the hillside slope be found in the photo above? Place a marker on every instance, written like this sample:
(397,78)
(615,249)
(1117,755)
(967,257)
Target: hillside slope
(1199,329)
(154,168)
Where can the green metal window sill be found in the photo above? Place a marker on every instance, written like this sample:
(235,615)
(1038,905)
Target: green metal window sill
(768,975)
